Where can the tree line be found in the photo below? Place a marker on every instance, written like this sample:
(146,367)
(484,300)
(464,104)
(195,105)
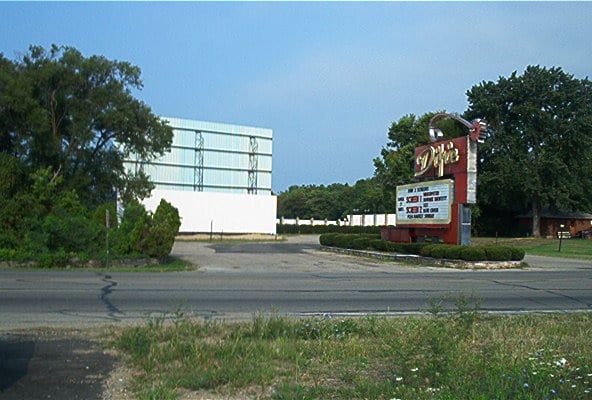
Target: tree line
(537,154)
(333,202)
(67,123)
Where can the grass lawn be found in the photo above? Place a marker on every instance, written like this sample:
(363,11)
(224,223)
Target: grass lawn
(570,248)
(465,355)
(172,264)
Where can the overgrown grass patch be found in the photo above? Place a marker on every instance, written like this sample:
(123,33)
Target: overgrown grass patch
(570,248)
(168,264)
(458,355)
(120,264)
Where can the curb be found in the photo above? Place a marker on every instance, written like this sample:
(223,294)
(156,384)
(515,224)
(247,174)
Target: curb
(433,262)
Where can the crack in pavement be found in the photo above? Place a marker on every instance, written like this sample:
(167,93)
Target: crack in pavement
(550,291)
(105,292)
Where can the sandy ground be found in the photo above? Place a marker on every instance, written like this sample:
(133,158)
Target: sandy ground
(218,236)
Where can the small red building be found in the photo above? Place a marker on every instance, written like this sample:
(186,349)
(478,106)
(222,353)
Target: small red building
(551,221)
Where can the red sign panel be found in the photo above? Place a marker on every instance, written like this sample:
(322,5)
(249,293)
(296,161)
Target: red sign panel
(453,158)
(446,157)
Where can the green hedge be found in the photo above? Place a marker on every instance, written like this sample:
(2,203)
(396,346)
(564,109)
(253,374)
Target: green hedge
(474,253)
(360,243)
(349,241)
(517,253)
(498,253)
(328,239)
(393,247)
(442,251)
(377,244)
(368,241)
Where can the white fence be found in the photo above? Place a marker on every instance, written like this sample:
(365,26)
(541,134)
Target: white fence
(351,220)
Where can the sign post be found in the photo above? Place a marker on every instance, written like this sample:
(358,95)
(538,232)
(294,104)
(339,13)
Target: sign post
(437,207)
(107,225)
(561,235)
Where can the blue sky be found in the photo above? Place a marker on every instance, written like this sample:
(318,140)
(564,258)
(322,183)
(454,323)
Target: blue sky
(329,78)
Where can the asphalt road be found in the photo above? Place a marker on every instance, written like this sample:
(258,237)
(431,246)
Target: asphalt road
(237,280)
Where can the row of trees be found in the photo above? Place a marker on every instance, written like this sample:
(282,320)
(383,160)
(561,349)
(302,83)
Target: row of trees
(67,123)
(334,201)
(538,152)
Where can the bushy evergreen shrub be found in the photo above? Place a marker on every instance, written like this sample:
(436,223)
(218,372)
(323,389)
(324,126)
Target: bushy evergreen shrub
(360,243)
(473,253)
(344,241)
(437,250)
(125,239)
(498,253)
(393,247)
(445,251)
(453,252)
(411,248)
(517,254)
(379,244)
(442,251)
(327,239)
(159,238)
(426,251)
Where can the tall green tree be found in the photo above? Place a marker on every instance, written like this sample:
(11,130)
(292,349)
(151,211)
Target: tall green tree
(77,116)
(395,166)
(539,153)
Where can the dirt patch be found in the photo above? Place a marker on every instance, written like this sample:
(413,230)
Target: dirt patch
(118,385)
(219,236)
(458,264)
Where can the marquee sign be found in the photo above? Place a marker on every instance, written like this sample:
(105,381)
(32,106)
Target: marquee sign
(438,208)
(436,157)
(425,202)
(450,158)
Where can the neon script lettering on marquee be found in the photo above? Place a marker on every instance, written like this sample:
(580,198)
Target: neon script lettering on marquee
(437,157)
